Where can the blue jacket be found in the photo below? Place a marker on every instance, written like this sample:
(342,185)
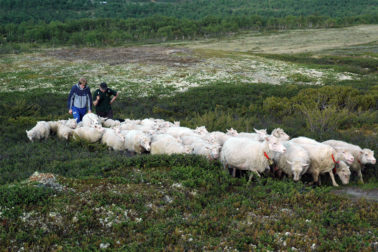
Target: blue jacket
(80,98)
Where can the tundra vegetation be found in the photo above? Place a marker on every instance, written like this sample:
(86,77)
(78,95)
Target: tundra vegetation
(25,24)
(109,199)
(18,11)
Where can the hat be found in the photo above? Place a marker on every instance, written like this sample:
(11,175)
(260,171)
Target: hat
(103,86)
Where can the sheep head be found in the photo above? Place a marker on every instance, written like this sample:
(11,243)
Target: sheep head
(367,156)
(29,134)
(280,133)
(232,132)
(261,132)
(71,123)
(343,171)
(145,142)
(297,168)
(347,156)
(215,151)
(188,149)
(275,144)
(201,130)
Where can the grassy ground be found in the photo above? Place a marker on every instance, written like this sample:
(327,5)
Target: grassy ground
(116,201)
(181,203)
(165,203)
(294,41)
(165,70)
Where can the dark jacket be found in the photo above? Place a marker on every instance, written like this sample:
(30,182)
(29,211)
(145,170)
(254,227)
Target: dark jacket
(105,98)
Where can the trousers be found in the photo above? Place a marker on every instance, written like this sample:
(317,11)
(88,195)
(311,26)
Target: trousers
(78,113)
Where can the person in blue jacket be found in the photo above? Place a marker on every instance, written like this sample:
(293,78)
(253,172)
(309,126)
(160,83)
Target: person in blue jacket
(79,100)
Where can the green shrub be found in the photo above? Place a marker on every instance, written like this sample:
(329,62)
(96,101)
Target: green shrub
(17,198)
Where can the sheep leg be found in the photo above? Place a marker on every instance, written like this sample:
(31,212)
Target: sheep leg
(225,166)
(320,180)
(315,176)
(251,173)
(333,178)
(279,174)
(234,172)
(250,177)
(359,173)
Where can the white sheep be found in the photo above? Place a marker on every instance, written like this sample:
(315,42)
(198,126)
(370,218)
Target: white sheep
(149,123)
(157,126)
(324,159)
(40,131)
(91,120)
(361,156)
(189,140)
(177,132)
(167,144)
(64,132)
(128,125)
(303,140)
(137,141)
(343,171)
(260,135)
(201,130)
(210,151)
(102,119)
(110,123)
(218,137)
(113,139)
(145,125)
(246,154)
(89,134)
(294,162)
(280,134)
(232,132)
(53,126)
(71,123)
(345,156)
(165,124)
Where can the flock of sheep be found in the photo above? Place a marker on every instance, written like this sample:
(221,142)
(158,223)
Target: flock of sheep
(254,152)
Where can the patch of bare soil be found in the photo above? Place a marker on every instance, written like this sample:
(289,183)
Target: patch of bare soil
(356,193)
(123,55)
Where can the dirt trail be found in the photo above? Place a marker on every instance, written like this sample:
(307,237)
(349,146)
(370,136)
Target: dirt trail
(356,193)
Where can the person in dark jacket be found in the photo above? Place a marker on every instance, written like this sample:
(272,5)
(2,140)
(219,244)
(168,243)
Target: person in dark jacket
(103,99)
(79,100)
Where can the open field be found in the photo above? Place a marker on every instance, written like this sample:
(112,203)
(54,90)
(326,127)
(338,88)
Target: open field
(295,41)
(112,200)
(164,70)
(57,73)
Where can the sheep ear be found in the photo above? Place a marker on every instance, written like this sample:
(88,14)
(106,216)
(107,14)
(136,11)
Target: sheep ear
(305,165)
(262,132)
(289,162)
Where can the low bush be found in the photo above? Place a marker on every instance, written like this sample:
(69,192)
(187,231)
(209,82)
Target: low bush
(183,202)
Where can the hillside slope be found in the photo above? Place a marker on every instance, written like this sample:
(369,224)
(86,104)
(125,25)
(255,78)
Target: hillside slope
(18,11)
